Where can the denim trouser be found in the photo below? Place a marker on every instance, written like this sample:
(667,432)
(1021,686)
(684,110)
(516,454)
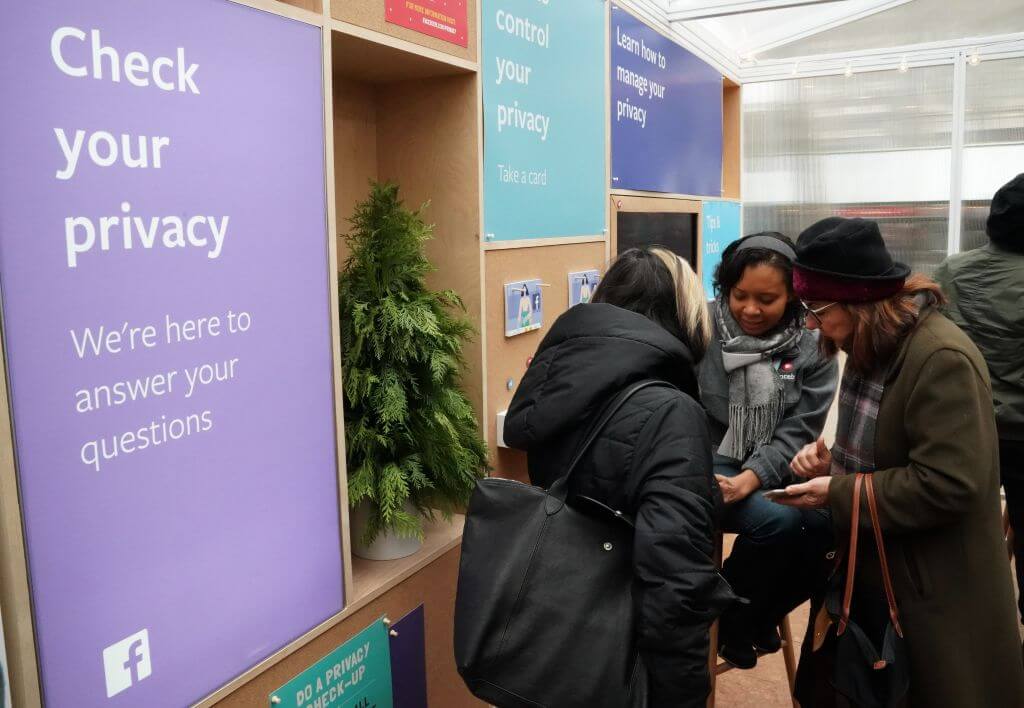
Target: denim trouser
(777,560)
(755,519)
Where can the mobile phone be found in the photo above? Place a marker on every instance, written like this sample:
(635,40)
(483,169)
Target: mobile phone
(773,494)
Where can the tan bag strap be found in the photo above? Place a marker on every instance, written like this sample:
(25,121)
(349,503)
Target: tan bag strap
(851,555)
(890,596)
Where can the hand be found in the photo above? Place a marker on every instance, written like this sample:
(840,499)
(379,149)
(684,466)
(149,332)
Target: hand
(814,460)
(808,495)
(738,488)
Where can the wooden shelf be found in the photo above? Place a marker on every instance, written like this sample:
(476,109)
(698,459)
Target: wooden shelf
(365,60)
(370,579)
(310,5)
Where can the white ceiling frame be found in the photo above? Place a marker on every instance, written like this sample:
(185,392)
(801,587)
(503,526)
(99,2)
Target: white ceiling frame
(915,55)
(677,12)
(653,13)
(809,30)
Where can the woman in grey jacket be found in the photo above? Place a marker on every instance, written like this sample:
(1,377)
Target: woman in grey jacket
(767,390)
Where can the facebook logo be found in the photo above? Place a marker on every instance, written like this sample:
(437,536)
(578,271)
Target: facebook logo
(127,662)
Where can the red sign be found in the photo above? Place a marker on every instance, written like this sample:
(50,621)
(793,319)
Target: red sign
(444,19)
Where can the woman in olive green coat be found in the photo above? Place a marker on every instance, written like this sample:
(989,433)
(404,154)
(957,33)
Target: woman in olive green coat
(916,411)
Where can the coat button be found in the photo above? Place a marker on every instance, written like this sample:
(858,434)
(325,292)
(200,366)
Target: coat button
(608,546)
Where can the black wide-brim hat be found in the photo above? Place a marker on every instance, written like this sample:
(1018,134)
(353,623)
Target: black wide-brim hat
(845,260)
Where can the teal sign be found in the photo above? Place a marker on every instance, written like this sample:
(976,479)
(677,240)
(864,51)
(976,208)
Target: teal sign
(355,675)
(544,118)
(721,227)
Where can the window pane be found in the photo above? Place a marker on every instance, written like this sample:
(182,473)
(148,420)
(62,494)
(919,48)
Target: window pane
(994,139)
(874,145)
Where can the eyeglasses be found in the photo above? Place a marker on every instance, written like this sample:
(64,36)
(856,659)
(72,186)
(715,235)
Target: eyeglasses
(815,312)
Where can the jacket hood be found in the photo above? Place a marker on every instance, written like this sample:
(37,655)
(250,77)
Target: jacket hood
(592,352)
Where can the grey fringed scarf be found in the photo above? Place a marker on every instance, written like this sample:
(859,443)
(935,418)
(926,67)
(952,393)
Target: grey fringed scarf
(756,402)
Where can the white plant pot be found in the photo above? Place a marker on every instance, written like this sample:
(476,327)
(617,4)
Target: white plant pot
(387,545)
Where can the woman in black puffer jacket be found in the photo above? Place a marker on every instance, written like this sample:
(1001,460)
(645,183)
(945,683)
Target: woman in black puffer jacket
(653,459)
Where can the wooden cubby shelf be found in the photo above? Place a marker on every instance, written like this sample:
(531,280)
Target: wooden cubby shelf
(403,115)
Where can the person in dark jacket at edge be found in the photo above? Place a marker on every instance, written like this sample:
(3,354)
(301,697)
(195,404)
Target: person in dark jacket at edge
(985,288)
(767,389)
(647,320)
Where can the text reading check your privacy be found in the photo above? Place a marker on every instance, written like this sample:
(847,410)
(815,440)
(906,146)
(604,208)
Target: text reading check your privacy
(83,55)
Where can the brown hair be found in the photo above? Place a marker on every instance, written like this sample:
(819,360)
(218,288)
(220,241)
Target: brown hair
(879,327)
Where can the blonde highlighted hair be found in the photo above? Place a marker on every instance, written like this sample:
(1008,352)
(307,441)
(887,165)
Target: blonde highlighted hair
(694,317)
(661,286)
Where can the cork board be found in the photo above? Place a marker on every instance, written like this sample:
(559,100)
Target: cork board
(311,5)
(434,587)
(731,139)
(355,149)
(422,134)
(427,142)
(372,62)
(370,15)
(507,357)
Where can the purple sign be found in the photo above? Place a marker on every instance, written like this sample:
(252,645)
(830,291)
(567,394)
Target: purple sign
(163,259)
(666,113)
(409,661)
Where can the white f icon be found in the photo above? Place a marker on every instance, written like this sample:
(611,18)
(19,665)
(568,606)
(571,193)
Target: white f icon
(127,662)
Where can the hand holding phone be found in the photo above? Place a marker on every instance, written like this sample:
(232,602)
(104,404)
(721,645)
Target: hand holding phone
(775,494)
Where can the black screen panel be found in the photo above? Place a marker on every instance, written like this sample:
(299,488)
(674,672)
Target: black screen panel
(674,230)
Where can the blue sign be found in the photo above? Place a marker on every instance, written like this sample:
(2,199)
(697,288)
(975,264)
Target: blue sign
(666,113)
(544,132)
(721,227)
(355,675)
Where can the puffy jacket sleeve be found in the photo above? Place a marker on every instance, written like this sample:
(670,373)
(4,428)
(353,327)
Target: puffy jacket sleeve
(944,277)
(678,589)
(802,425)
(948,421)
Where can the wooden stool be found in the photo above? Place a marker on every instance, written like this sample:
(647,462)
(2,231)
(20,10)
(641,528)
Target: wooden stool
(716,667)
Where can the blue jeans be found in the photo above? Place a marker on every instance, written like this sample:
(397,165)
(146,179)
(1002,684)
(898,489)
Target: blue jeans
(757,520)
(776,562)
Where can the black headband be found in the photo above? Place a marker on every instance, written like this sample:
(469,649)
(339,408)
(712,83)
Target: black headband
(769,243)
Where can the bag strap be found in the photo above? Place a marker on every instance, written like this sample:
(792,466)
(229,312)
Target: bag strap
(867,481)
(851,555)
(890,595)
(560,489)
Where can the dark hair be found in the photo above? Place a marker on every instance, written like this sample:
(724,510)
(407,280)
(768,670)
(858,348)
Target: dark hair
(640,280)
(734,264)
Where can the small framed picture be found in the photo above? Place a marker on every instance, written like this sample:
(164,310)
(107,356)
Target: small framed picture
(524,307)
(582,286)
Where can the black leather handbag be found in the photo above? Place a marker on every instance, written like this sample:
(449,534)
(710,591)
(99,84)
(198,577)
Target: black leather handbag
(867,672)
(544,612)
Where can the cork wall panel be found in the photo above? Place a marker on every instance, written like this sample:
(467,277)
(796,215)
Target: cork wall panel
(731,137)
(370,15)
(15,600)
(427,143)
(421,134)
(434,587)
(507,357)
(355,150)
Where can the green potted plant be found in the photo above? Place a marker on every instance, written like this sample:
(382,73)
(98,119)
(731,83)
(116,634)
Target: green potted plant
(413,443)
